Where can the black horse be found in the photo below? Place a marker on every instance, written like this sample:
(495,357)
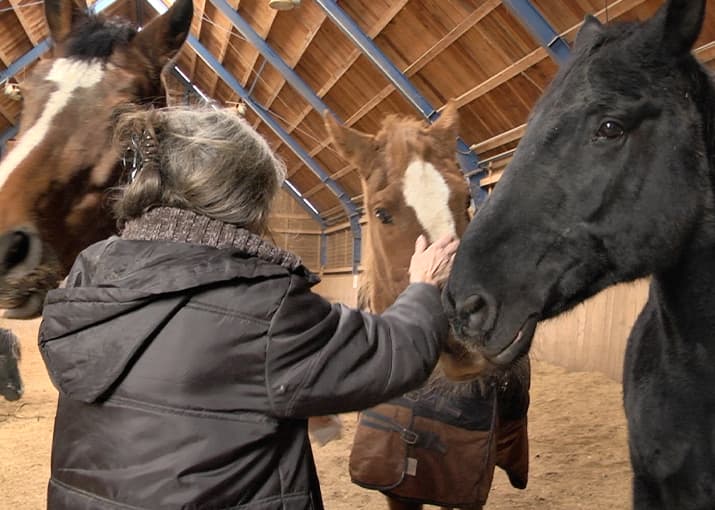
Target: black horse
(10,381)
(615,180)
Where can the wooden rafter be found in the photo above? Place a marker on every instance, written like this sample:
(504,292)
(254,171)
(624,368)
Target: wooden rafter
(386,18)
(30,28)
(224,26)
(253,57)
(199,8)
(295,58)
(614,10)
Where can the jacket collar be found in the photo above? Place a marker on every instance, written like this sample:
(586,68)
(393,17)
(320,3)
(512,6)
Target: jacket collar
(181,225)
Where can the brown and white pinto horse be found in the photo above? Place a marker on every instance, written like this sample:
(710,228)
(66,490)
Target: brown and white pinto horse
(53,182)
(412,186)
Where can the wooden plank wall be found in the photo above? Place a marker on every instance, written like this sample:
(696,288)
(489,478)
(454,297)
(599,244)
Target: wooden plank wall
(294,230)
(592,336)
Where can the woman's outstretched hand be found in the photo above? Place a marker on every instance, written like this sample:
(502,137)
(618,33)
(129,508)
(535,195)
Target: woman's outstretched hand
(432,264)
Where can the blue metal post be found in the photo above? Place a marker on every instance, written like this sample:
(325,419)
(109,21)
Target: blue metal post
(323,249)
(288,140)
(540,29)
(467,158)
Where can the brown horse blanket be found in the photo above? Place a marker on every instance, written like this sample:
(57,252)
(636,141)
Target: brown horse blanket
(439,446)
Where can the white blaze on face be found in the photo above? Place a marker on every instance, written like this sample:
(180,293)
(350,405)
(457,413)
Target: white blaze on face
(69,75)
(426,191)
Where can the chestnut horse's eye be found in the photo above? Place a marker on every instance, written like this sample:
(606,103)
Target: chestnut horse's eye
(610,130)
(382,215)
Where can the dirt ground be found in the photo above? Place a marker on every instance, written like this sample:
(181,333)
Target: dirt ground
(579,457)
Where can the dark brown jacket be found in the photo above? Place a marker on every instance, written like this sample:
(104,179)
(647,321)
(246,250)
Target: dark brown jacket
(186,374)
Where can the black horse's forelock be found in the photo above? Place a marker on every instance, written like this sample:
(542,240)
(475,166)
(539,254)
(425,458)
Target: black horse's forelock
(96,37)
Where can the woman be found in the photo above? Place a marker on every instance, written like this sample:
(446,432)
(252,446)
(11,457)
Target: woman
(189,352)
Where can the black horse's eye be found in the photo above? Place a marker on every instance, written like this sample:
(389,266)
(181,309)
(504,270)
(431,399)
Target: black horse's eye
(610,130)
(382,215)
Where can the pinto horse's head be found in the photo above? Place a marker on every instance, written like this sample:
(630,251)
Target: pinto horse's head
(612,181)
(54,180)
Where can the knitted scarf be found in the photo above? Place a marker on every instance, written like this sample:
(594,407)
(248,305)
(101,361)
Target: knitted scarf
(181,225)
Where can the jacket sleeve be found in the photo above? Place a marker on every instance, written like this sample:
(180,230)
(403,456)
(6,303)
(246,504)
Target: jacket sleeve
(324,358)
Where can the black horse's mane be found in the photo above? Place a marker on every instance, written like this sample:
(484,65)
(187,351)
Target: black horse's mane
(96,37)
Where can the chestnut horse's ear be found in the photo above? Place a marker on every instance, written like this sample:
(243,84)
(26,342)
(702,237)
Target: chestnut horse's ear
(358,148)
(61,15)
(162,38)
(446,128)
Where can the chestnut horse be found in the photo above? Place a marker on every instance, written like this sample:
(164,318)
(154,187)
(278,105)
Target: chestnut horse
(54,180)
(413,186)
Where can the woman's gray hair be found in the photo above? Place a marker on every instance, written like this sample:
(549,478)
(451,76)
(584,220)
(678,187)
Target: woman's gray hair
(208,161)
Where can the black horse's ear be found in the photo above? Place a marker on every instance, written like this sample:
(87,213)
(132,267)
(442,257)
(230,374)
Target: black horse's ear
(61,15)
(590,31)
(676,26)
(163,36)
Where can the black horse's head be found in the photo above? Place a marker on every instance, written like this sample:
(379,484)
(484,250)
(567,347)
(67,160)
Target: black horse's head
(610,182)
(10,381)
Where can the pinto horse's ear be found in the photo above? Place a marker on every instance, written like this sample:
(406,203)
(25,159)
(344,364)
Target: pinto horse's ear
(61,15)
(358,148)
(162,38)
(676,26)
(446,128)
(590,31)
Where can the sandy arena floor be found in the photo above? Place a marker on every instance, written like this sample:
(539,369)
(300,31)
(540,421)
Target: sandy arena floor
(579,457)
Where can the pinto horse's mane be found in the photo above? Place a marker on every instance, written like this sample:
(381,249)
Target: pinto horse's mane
(96,37)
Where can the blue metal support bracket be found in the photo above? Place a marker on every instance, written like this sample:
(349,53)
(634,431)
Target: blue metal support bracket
(6,136)
(544,33)
(288,140)
(468,159)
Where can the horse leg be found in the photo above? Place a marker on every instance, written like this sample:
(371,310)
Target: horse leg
(396,504)
(645,494)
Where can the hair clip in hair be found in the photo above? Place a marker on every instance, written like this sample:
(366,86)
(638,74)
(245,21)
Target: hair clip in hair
(141,151)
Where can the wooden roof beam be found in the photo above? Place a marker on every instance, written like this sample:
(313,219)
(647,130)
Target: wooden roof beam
(199,8)
(616,9)
(253,59)
(222,24)
(294,59)
(30,28)
(469,22)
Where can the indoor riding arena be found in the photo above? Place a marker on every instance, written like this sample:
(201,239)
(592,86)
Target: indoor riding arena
(290,68)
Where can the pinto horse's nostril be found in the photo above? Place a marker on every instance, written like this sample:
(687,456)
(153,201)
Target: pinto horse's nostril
(17,250)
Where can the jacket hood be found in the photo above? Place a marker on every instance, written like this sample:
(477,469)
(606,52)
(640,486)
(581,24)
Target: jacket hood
(118,296)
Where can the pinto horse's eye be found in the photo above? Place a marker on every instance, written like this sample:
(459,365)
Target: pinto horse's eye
(610,130)
(382,215)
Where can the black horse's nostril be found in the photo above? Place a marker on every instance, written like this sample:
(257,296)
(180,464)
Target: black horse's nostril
(472,304)
(476,315)
(18,248)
